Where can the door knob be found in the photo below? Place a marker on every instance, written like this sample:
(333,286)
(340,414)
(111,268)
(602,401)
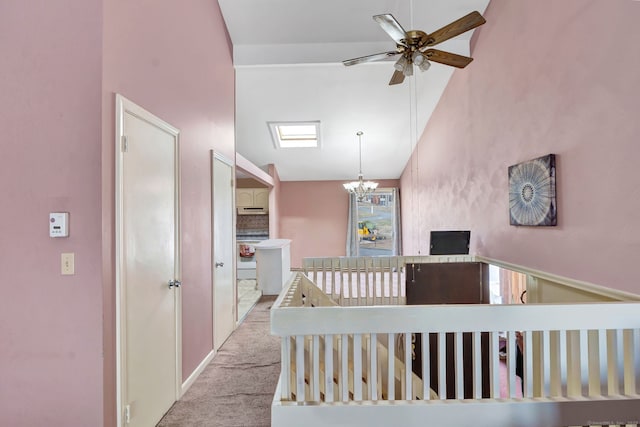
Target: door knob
(219,264)
(175,283)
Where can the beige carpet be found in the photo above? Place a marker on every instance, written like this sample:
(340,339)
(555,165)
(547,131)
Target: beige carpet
(237,387)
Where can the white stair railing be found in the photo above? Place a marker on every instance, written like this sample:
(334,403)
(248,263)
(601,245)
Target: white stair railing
(333,353)
(366,281)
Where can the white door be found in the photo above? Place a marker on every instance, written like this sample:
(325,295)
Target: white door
(148,260)
(224,295)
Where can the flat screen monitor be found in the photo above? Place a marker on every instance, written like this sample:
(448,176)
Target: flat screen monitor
(450,242)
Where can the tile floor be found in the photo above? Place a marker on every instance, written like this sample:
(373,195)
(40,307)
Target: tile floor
(248,295)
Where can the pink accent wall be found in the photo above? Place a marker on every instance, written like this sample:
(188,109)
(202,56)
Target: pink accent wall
(50,325)
(548,77)
(174,61)
(314,214)
(62,63)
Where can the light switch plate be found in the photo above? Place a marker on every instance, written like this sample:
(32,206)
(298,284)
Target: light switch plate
(67,266)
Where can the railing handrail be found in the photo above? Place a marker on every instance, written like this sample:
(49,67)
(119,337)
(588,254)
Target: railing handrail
(346,263)
(286,321)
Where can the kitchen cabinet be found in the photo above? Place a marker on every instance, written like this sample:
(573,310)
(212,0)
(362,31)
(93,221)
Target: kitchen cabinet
(252,198)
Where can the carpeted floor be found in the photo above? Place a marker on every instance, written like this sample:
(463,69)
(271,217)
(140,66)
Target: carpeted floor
(237,387)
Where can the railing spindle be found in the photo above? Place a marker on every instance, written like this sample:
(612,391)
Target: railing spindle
(494,361)
(636,357)
(584,361)
(408,372)
(546,364)
(315,379)
(285,370)
(344,365)
(476,342)
(342,290)
(357,367)
(426,369)
(564,372)
(459,373)
(612,365)
(615,361)
(391,355)
(511,363)
(366,366)
(300,384)
(527,362)
(442,365)
(373,371)
(328,368)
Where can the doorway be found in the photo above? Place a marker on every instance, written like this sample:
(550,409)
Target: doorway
(147,265)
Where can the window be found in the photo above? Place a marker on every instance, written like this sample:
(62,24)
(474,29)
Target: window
(295,134)
(377,224)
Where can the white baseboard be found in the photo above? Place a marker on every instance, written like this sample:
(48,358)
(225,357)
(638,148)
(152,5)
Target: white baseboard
(196,373)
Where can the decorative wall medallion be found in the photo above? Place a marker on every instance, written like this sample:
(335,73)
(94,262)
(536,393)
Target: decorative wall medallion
(532,192)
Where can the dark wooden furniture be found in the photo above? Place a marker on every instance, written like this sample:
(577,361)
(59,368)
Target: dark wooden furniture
(450,283)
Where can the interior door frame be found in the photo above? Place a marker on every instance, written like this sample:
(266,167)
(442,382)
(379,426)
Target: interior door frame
(125,106)
(220,157)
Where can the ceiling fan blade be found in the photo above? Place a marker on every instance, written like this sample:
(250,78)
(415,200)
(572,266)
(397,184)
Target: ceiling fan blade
(370,58)
(392,27)
(397,78)
(447,58)
(462,25)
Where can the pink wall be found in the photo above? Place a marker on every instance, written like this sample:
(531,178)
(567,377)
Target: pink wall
(62,63)
(50,325)
(548,77)
(175,61)
(313,214)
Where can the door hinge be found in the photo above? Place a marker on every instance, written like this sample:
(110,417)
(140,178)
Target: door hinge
(125,144)
(127,414)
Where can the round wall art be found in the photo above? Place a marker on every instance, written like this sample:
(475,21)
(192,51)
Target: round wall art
(532,192)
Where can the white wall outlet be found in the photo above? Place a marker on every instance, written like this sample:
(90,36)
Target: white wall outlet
(67,266)
(59,224)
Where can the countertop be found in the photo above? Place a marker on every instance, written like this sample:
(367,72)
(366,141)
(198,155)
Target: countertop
(272,244)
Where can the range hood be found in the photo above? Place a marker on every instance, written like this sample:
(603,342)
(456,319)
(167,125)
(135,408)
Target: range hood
(252,210)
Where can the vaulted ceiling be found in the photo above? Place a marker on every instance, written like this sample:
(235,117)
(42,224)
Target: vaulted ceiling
(288,57)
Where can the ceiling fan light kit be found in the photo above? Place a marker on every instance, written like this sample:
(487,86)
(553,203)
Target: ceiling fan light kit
(414,47)
(408,70)
(417,58)
(401,64)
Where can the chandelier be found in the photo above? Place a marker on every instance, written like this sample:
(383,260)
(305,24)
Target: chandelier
(360,188)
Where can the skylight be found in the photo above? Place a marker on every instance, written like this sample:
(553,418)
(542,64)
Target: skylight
(295,134)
